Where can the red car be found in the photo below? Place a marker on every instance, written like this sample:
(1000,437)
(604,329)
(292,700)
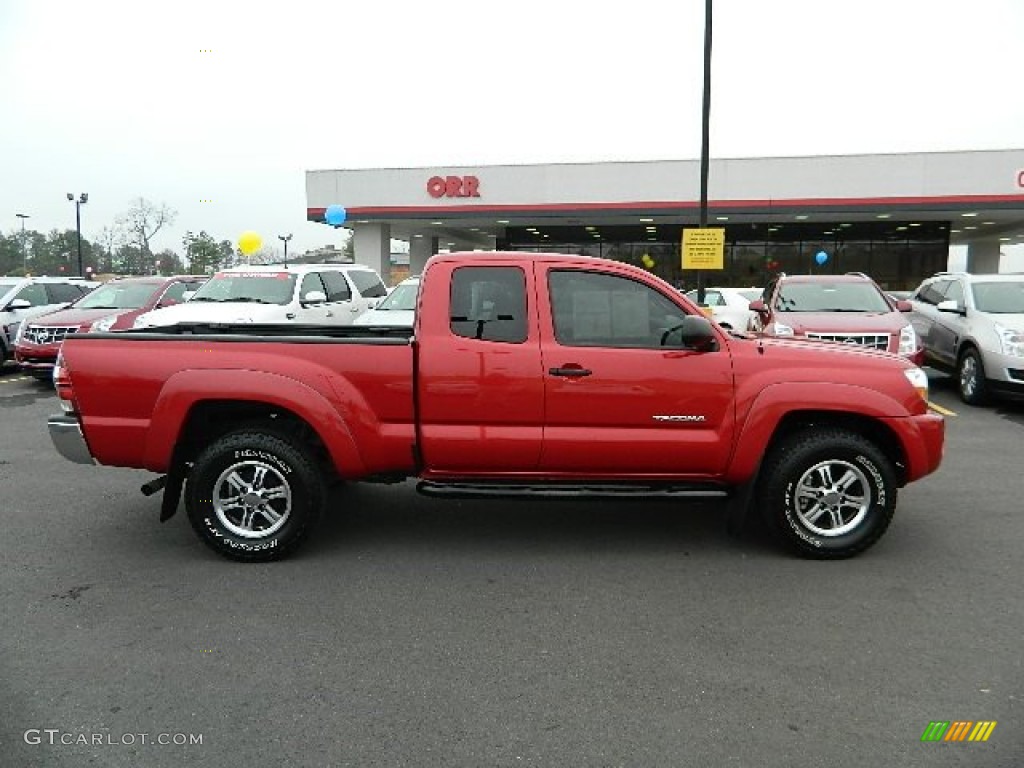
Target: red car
(849,309)
(111,307)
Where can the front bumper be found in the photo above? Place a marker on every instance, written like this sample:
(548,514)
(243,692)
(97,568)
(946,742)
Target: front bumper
(67,437)
(1004,372)
(923,438)
(37,359)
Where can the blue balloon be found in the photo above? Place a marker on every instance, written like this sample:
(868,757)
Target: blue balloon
(335,215)
(821,257)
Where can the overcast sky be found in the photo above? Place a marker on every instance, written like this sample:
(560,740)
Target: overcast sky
(118,99)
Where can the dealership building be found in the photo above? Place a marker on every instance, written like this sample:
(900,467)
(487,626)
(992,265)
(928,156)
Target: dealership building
(894,217)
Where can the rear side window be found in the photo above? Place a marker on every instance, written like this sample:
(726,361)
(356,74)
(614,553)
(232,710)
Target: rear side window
(337,286)
(489,303)
(368,284)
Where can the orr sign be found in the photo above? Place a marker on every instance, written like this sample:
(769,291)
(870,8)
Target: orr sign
(453,186)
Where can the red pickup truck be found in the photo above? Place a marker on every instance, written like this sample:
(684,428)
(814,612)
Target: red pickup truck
(524,375)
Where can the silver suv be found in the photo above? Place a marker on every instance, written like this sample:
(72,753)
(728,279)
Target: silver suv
(25,297)
(973,326)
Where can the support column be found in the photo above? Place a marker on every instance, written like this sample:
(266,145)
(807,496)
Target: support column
(420,249)
(983,257)
(373,248)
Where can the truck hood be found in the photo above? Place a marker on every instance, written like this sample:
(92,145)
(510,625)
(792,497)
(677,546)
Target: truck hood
(214,312)
(843,322)
(827,353)
(72,316)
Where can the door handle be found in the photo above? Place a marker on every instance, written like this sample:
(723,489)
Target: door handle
(354,309)
(330,314)
(571,371)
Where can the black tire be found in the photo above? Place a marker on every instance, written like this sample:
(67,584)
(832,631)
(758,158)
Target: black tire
(826,521)
(970,377)
(279,489)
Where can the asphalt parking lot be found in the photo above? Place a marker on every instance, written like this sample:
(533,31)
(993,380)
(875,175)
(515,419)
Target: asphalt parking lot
(424,632)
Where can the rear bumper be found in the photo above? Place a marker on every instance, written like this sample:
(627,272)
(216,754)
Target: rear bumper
(923,438)
(67,437)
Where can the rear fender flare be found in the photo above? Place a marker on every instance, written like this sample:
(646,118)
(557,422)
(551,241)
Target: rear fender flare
(185,389)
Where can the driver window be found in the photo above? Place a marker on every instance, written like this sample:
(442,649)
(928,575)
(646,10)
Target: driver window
(955,292)
(311,282)
(34,294)
(592,309)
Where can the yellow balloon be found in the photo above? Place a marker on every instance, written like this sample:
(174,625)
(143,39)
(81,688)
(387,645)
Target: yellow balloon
(249,242)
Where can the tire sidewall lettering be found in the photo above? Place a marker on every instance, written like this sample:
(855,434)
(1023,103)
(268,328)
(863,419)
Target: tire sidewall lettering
(249,453)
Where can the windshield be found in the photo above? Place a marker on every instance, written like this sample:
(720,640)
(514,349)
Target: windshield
(999,298)
(830,297)
(403,297)
(259,287)
(118,296)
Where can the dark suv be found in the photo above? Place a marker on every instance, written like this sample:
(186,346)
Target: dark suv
(848,309)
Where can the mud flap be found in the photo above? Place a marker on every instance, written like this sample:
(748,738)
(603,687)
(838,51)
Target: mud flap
(172,493)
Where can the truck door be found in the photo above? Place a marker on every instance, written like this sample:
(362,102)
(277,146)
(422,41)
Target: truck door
(621,398)
(480,390)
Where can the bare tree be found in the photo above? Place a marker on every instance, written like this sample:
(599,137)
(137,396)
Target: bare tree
(110,239)
(143,221)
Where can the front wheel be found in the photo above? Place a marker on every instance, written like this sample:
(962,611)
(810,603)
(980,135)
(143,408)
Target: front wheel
(970,376)
(254,496)
(828,494)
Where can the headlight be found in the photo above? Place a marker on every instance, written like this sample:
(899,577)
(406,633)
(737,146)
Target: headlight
(103,325)
(918,380)
(1011,340)
(908,341)
(782,330)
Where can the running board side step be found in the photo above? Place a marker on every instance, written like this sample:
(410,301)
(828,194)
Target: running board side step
(558,490)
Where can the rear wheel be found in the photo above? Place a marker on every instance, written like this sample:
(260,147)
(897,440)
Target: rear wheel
(828,494)
(970,376)
(254,495)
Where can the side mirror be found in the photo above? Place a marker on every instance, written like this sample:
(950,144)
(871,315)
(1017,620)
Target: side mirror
(19,304)
(757,305)
(949,305)
(314,297)
(904,306)
(695,332)
(167,303)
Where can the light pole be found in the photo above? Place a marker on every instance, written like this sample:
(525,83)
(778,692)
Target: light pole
(284,239)
(705,124)
(24,251)
(82,200)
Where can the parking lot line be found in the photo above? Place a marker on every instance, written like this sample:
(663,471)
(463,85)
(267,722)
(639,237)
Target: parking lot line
(939,409)
(11,381)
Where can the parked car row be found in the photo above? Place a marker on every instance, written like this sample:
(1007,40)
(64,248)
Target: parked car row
(971,326)
(315,294)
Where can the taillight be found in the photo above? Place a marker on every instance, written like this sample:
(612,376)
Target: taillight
(62,383)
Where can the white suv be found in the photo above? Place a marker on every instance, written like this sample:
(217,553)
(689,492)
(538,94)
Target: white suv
(973,326)
(313,294)
(25,297)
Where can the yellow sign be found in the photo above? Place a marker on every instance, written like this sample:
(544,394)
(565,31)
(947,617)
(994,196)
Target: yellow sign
(704,248)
